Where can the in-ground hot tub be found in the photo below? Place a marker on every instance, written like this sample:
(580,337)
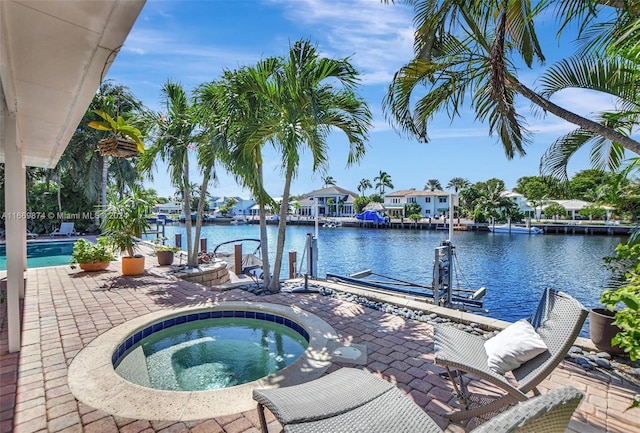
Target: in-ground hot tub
(210,350)
(279,333)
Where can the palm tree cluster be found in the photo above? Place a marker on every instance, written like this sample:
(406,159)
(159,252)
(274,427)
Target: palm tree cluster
(383,181)
(484,201)
(291,103)
(288,102)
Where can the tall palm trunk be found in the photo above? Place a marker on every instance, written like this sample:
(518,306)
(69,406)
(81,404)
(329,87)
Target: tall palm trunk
(192,259)
(264,241)
(282,229)
(201,200)
(103,185)
(608,133)
(59,183)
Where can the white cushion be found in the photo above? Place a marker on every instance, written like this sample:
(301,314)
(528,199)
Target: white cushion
(515,345)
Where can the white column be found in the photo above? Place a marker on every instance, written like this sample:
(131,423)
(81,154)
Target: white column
(15,208)
(21,193)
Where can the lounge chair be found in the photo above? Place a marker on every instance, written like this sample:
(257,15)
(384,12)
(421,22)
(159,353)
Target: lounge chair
(65,229)
(355,401)
(30,235)
(557,320)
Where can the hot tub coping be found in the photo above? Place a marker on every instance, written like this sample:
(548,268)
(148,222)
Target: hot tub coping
(94,381)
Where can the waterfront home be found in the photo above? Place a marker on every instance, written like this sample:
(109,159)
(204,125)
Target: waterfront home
(434,204)
(242,207)
(171,207)
(574,207)
(332,201)
(521,201)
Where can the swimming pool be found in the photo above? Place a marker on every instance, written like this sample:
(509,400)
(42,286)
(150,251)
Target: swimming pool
(42,254)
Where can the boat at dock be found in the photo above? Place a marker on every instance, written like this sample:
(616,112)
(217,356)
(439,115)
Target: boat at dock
(332,224)
(506,228)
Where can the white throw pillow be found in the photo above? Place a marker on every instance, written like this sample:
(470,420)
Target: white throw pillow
(516,344)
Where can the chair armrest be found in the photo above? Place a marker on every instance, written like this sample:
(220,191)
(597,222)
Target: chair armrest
(550,412)
(463,351)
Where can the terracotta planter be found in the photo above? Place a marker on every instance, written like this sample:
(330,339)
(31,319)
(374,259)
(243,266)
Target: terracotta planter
(95,266)
(602,330)
(133,266)
(165,257)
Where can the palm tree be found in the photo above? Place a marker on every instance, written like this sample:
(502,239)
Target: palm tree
(341,202)
(331,206)
(479,63)
(176,135)
(303,97)
(458,183)
(611,76)
(241,110)
(383,180)
(86,167)
(433,185)
(296,208)
(328,180)
(490,200)
(609,63)
(364,185)
(116,100)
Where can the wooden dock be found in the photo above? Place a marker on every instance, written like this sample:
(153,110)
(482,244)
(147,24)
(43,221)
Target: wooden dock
(582,228)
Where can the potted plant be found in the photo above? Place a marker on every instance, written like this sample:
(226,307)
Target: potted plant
(124,221)
(616,328)
(90,256)
(165,253)
(125,140)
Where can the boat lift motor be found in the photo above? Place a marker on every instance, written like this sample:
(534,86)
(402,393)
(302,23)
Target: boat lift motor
(442,274)
(311,251)
(312,255)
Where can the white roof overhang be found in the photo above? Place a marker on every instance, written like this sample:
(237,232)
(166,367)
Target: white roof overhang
(53,57)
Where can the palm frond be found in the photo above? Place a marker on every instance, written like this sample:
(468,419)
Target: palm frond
(556,158)
(616,77)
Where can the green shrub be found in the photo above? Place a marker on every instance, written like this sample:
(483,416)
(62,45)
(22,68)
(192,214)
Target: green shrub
(157,247)
(627,297)
(85,251)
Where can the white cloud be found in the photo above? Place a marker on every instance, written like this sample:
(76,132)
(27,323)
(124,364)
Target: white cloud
(377,37)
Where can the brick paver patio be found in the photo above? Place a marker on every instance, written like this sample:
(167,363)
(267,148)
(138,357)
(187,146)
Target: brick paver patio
(65,309)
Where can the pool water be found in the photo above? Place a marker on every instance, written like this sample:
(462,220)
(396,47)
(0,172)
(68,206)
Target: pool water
(42,254)
(211,354)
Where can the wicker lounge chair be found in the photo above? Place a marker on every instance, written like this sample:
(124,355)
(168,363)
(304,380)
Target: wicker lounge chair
(355,401)
(557,320)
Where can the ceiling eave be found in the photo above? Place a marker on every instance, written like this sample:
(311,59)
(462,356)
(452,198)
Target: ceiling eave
(53,57)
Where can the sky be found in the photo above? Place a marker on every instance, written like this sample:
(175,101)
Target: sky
(191,42)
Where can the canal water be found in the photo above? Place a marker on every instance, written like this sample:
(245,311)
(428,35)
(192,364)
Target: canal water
(514,268)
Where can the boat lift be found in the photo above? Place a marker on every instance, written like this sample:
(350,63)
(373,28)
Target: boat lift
(441,292)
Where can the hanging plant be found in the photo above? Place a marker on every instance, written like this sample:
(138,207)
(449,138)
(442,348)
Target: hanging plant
(125,140)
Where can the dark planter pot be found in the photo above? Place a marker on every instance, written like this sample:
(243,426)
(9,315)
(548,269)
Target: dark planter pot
(602,330)
(165,257)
